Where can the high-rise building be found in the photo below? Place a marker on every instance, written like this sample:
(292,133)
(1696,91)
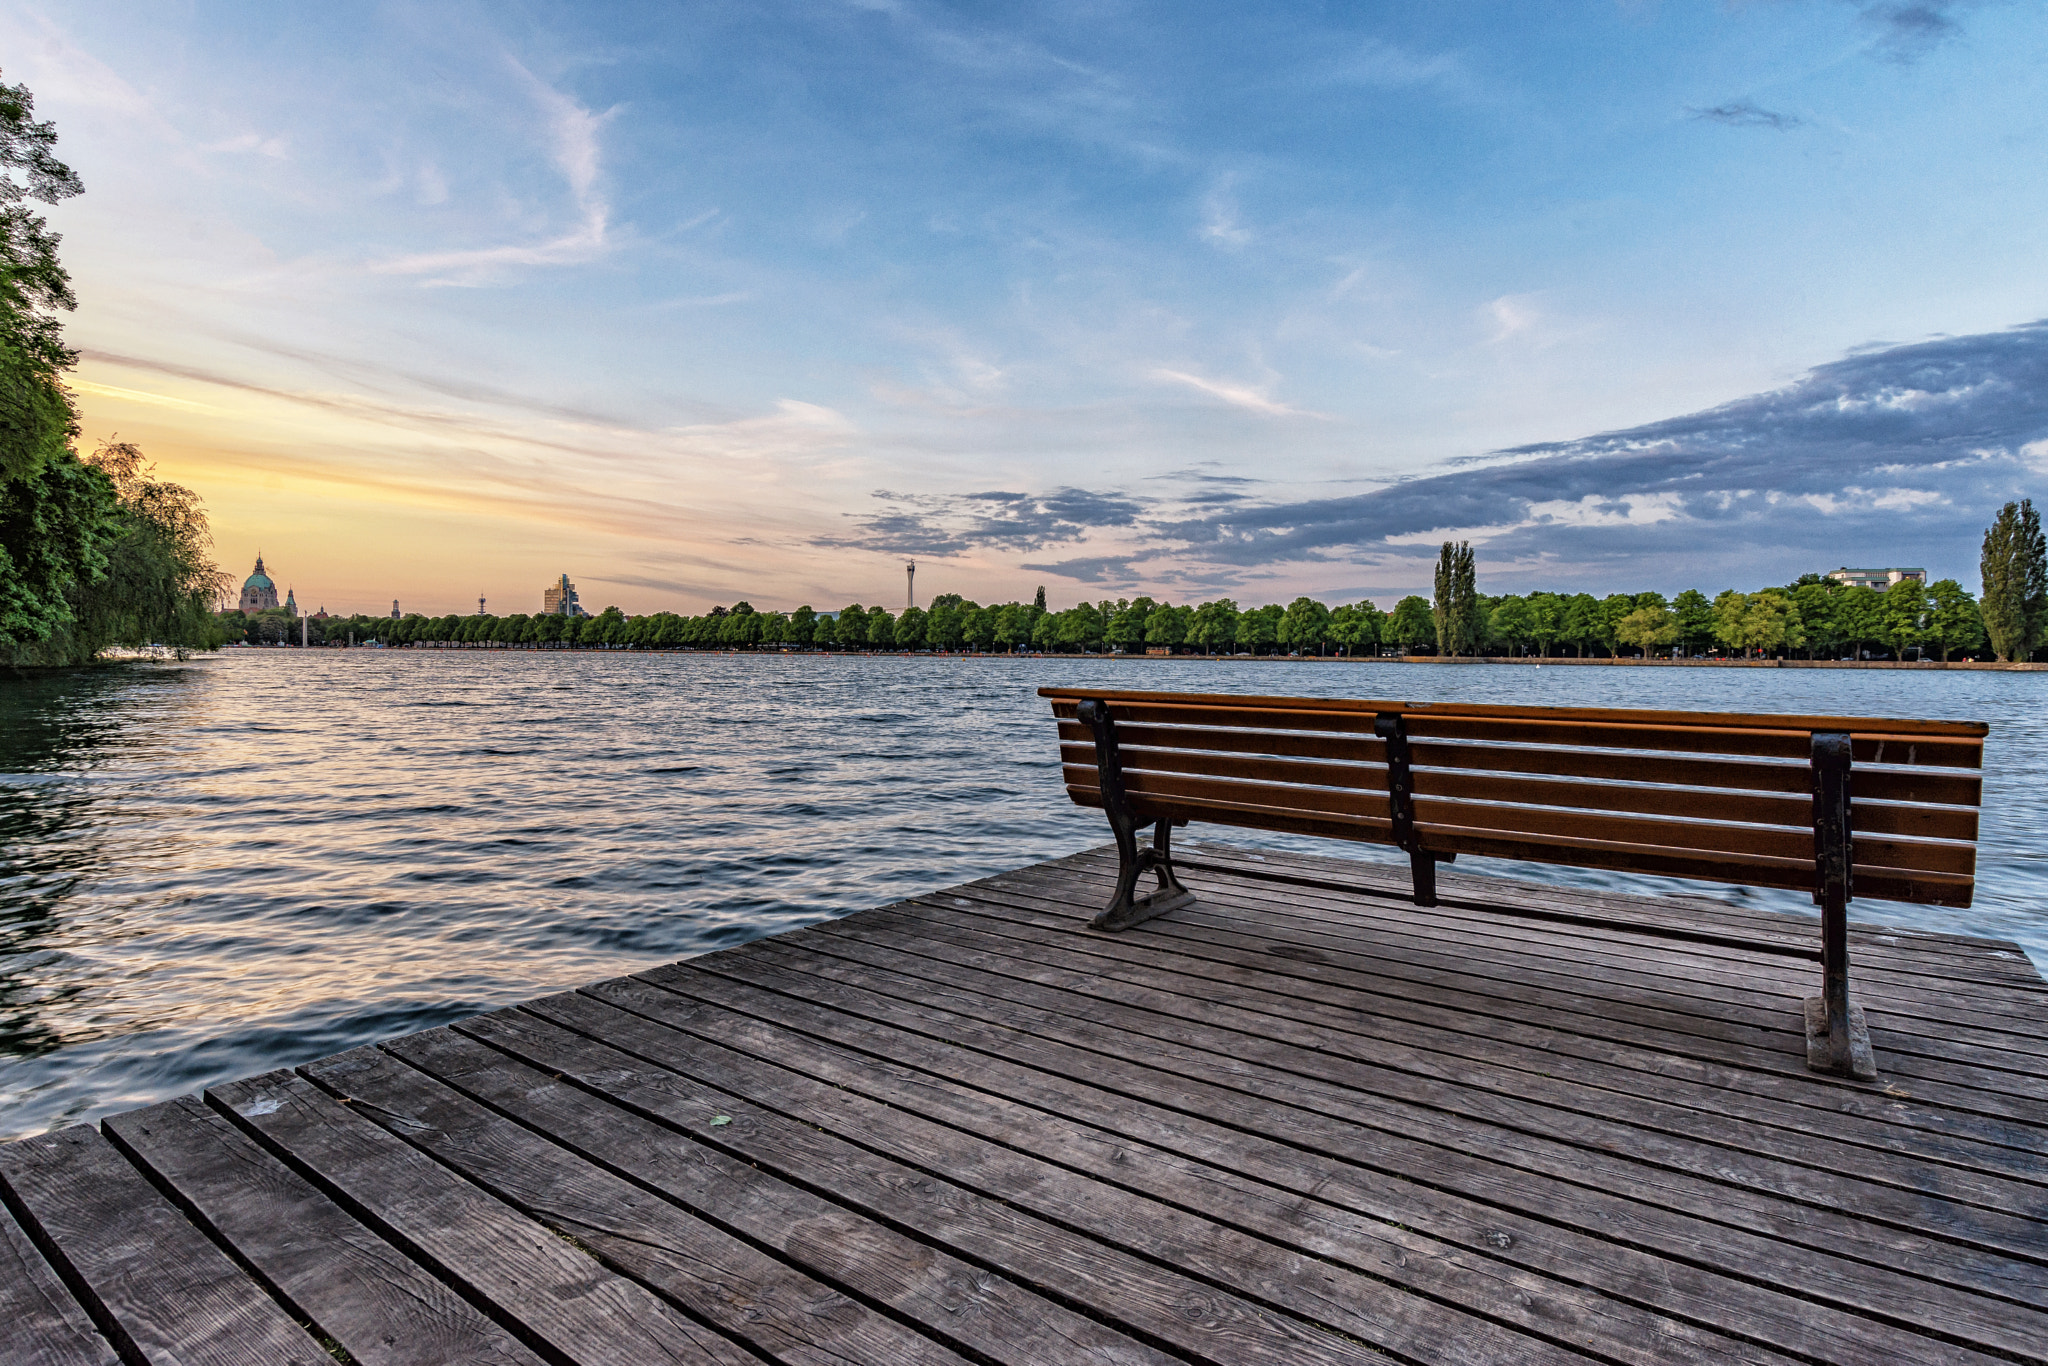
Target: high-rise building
(394,609)
(480,605)
(559,599)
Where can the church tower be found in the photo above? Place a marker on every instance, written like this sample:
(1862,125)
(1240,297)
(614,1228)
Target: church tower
(259,594)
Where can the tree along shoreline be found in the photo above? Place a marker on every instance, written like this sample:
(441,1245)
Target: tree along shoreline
(1825,620)
(1195,657)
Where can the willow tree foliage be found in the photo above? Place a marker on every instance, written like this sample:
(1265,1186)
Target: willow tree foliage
(93,552)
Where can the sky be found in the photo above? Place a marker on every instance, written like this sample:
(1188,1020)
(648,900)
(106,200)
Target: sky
(706,301)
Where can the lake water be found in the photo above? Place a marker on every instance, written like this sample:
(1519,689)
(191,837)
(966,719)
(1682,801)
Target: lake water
(248,861)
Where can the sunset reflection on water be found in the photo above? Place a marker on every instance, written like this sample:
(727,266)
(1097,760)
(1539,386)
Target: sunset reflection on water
(252,860)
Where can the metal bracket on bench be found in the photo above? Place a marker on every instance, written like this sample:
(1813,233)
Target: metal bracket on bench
(1837,1040)
(1392,727)
(1128,909)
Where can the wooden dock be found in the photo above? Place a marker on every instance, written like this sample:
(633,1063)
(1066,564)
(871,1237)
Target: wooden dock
(1303,1121)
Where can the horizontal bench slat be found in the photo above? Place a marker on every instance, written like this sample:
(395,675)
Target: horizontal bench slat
(1174,786)
(1789,811)
(1866,784)
(1370,777)
(1368,829)
(1068,697)
(1961,752)
(1925,888)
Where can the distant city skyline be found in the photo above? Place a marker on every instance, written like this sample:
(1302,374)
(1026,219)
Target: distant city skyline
(1193,300)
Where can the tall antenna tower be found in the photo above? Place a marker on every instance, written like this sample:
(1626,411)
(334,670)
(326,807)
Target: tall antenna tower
(910,583)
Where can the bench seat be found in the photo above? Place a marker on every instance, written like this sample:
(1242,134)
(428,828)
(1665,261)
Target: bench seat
(1837,806)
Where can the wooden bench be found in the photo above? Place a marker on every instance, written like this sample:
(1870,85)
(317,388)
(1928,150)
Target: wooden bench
(1836,806)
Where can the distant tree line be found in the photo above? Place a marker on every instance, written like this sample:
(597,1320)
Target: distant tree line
(1815,616)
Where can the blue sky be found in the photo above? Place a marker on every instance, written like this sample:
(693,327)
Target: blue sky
(702,301)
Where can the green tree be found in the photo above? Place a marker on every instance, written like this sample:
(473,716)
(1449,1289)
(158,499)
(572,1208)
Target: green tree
(944,621)
(37,422)
(1214,626)
(1758,622)
(881,628)
(1546,616)
(1038,602)
(1647,628)
(1455,608)
(1859,618)
(1582,625)
(1412,625)
(1512,624)
(1953,621)
(1305,625)
(1818,608)
(155,582)
(1079,628)
(1613,608)
(2015,569)
(1126,628)
(852,628)
(1904,615)
(1169,626)
(1259,627)
(910,631)
(1013,625)
(803,625)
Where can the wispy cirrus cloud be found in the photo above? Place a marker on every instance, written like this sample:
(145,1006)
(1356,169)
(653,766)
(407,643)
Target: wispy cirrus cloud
(575,152)
(1245,396)
(1748,114)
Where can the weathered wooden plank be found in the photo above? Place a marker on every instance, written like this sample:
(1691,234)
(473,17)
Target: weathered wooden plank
(951,1300)
(1351,890)
(1505,1161)
(40,1320)
(1183,1312)
(1072,1117)
(1980,1030)
(1589,1004)
(1754,992)
(555,1296)
(1931,952)
(1707,992)
(756,1297)
(356,1289)
(158,1288)
(1273,1002)
(986,1160)
(1800,1163)
(1437,1003)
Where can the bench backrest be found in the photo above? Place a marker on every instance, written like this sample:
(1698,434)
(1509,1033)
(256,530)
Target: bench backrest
(1715,796)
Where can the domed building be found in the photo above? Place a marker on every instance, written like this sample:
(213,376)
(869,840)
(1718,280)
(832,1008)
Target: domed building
(258,592)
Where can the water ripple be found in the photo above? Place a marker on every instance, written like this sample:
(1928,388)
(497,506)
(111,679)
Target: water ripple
(245,862)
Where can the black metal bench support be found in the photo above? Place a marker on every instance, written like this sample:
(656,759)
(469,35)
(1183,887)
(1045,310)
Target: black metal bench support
(1132,861)
(1392,727)
(1837,1039)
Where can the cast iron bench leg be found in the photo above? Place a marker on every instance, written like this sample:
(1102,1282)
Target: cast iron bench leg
(1128,908)
(1837,1039)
